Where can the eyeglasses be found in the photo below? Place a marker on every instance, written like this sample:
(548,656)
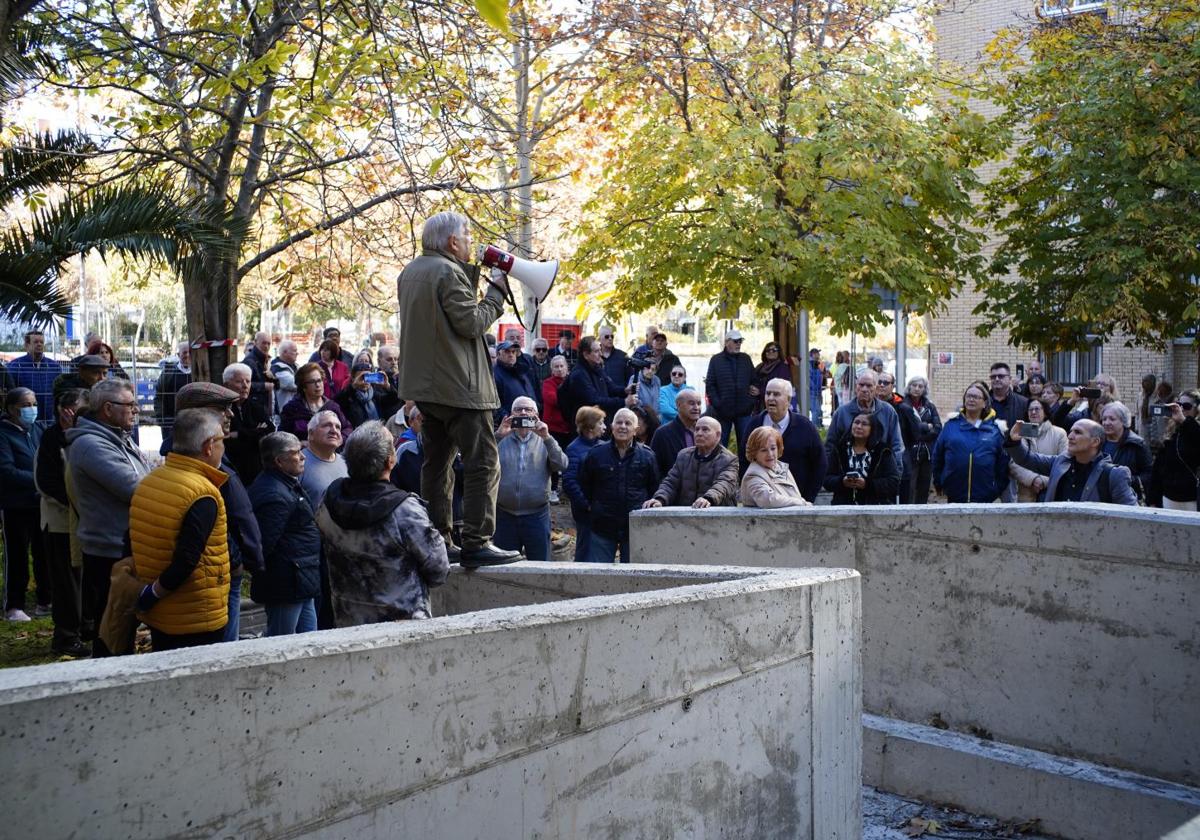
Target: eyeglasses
(999,376)
(541,349)
(737,340)
(769,349)
(887,382)
(1187,406)
(680,374)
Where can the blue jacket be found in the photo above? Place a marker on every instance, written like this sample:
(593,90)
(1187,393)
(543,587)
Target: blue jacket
(617,365)
(613,486)
(37,377)
(727,385)
(969,462)
(513,382)
(18,449)
(577,450)
(290,540)
(1107,482)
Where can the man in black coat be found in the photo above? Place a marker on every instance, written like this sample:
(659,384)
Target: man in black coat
(803,451)
(333,334)
(672,438)
(262,381)
(589,385)
(730,387)
(514,378)
(616,363)
(910,430)
(175,374)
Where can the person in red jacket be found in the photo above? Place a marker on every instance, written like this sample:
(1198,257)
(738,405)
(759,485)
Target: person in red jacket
(553,417)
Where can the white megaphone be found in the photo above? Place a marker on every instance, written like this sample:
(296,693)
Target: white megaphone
(536,277)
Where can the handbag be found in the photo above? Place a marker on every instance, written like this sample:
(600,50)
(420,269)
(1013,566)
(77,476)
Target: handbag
(120,621)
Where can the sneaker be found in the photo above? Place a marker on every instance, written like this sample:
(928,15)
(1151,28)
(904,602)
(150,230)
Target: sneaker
(553,497)
(453,552)
(78,650)
(17,615)
(487,555)
(43,610)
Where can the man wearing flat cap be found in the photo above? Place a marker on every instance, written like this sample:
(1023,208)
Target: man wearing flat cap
(88,371)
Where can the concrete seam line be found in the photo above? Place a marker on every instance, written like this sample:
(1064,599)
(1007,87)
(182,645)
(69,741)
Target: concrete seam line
(366,806)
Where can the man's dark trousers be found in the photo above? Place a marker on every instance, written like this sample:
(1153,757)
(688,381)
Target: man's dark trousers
(448,431)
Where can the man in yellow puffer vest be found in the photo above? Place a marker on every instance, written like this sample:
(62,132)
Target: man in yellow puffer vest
(177,528)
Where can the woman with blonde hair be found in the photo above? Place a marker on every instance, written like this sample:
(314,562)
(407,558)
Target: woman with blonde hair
(768,483)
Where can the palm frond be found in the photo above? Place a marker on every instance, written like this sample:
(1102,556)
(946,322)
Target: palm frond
(39,161)
(27,55)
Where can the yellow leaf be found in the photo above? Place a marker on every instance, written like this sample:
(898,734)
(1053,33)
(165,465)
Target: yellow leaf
(495,12)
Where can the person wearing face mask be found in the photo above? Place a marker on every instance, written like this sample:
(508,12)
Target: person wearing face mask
(20,436)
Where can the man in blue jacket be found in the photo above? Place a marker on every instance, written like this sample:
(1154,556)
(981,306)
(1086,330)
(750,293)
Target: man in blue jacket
(289,586)
(730,386)
(37,372)
(803,451)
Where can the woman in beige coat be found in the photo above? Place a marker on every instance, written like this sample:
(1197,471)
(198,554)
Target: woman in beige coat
(768,482)
(1051,440)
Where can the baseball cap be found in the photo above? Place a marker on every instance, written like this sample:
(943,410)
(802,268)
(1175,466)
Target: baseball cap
(204,395)
(734,335)
(506,345)
(93,360)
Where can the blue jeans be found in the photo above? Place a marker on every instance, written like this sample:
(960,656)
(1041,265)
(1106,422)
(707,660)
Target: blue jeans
(727,426)
(814,409)
(529,533)
(232,627)
(583,535)
(603,549)
(291,617)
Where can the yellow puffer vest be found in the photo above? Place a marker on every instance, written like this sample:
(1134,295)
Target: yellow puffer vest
(155,515)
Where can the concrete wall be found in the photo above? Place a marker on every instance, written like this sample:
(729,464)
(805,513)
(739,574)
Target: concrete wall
(1069,629)
(707,703)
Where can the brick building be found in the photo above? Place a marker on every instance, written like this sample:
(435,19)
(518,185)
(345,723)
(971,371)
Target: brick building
(964,27)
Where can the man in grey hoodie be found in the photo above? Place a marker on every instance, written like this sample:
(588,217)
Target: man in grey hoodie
(105,467)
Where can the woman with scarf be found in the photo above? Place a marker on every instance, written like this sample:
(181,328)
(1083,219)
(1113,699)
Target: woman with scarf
(773,366)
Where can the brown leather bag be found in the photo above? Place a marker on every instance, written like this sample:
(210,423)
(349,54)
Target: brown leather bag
(120,621)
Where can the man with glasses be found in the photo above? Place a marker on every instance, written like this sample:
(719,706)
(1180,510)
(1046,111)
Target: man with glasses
(910,427)
(104,466)
(730,387)
(1007,403)
(541,361)
(177,526)
(866,402)
(616,363)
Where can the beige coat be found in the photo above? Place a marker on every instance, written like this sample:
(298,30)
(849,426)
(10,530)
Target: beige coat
(770,488)
(444,358)
(1052,441)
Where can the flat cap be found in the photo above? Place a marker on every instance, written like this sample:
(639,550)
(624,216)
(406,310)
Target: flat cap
(204,395)
(93,360)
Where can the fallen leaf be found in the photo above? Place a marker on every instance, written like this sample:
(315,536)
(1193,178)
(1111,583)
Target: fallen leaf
(920,827)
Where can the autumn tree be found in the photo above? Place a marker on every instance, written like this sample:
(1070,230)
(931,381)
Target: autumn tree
(1099,207)
(294,117)
(790,154)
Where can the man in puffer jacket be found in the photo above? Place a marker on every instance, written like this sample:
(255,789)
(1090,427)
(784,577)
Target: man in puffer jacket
(291,543)
(704,475)
(616,477)
(384,554)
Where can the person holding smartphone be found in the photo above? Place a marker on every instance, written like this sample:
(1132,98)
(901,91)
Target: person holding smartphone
(528,455)
(1173,482)
(369,396)
(1038,434)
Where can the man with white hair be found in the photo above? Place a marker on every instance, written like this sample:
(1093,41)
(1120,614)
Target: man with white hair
(283,368)
(175,374)
(672,438)
(322,463)
(704,475)
(616,477)
(1083,474)
(389,366)
(528,454)
(444,322)
(803,451)
(249,423)
(262,381)
(866,402)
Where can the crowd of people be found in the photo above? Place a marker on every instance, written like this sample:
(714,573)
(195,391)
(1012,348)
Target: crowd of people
(345,486)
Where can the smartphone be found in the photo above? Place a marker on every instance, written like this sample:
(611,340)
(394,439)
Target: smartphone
(1160,411)
(1028,430)
(375,378)
(523,422)
(1020,371)
(1089,393)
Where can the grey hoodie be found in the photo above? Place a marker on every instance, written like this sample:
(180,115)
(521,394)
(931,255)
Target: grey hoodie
(106,467)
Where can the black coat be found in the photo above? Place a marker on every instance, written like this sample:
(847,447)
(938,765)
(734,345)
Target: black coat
(614,486)
(667,443)
(512,382)
(291,541)
(260,366)
(929,426)
(587,385)
(1175,474)
(1132,452)
(251,423)
(883,479)
(1011,410)
(356,412)
(617,366)
(727,385)
(245,538)
(169,382)
(803,452)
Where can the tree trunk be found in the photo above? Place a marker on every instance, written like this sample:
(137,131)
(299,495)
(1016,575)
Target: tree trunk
(784,329)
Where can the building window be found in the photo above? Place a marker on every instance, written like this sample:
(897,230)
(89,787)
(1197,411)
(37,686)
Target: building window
(1075,367)
(1063,8)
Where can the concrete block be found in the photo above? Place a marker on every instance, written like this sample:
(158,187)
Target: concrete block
(1073,799)
(598,701)
(1064,628)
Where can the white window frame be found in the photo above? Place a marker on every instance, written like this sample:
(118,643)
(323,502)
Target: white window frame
(1074,364)
(1072,7)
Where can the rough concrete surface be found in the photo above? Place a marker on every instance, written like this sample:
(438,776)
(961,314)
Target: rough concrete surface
(722,704)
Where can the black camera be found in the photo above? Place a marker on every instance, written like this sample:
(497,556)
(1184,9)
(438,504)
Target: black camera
(523,423)
(1160,411)
(641,362)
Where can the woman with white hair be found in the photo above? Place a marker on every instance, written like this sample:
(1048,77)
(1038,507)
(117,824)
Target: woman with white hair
(929,426)
(1125,448)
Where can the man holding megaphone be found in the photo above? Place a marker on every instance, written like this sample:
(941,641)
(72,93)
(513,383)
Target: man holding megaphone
(448,373)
